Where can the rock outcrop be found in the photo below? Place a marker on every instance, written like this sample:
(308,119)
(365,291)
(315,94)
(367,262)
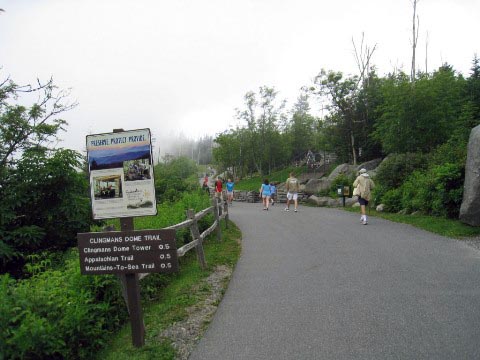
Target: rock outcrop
(470,209)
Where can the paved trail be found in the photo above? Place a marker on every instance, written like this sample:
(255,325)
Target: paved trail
(319,285)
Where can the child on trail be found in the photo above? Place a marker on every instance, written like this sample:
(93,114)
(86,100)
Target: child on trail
(273,190)
(363,186)
(265,194)
(292,186)
(230,186)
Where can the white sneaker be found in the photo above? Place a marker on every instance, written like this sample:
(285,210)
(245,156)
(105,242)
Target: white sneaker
(364,222)
(295,210)
(287,209)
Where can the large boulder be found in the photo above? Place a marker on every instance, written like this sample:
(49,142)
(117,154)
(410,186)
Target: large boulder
(344,169)
(314,186)
(470,209)
(370,165)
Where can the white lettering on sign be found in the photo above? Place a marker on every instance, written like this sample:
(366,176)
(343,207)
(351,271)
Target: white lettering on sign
(133,238)
(141,247)
(148,266)
(121,248)
(152,237)
(99,268)
(126,257)
(106,240)
(96,250)
(91,260)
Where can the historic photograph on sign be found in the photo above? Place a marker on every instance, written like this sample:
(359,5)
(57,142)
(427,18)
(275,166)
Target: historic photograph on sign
(107,187)
(121,174)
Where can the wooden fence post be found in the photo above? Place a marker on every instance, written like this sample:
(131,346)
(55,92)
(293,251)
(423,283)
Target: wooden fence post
(133,296)
(196,236)
(217,218)
(225,210)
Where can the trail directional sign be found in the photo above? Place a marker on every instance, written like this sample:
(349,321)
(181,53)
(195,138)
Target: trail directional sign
(122,252)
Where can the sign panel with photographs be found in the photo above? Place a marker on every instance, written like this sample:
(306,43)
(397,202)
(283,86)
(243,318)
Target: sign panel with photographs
(121,174)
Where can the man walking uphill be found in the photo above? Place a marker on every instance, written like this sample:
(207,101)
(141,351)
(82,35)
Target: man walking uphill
(292,186)
(363,188)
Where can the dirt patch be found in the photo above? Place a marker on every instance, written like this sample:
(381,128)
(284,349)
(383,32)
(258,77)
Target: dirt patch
(185,334)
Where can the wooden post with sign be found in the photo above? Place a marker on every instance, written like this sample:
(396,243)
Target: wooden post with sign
(128,253)
(133,296)
(122,186)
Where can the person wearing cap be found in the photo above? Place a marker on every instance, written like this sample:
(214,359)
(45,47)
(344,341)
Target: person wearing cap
(363,189)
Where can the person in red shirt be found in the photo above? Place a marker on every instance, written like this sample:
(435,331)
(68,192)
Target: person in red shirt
(218,188)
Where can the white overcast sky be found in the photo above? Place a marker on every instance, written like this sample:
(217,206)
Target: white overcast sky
(182,67)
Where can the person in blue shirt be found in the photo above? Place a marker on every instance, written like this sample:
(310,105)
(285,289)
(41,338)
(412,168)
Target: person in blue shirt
(230,185)
(273,190)
(265,193)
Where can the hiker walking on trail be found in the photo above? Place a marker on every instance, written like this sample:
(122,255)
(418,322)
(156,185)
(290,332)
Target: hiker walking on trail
(292,185)
(218,189)
(205,184)
(265,193)
(363,189)
(230,184)
(273,191)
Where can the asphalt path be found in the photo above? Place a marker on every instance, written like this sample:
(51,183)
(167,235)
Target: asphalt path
(319,285)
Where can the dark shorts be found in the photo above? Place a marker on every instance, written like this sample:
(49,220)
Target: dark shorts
(362,201)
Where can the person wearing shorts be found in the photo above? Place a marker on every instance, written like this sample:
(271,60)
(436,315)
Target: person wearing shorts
(230,184)
(265,193)
(363,187)
(292,185)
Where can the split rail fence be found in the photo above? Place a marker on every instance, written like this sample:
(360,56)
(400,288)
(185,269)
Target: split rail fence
(220,211)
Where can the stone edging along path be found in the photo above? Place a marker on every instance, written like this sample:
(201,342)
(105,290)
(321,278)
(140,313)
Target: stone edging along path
(185,334)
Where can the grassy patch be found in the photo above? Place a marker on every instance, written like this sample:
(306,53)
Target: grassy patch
(442,226)
(174,299)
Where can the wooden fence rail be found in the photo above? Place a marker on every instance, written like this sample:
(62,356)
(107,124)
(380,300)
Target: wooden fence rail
(220,212)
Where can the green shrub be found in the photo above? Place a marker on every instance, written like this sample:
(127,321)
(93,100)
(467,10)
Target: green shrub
(58,313)
(397,167)
(448,181)
(392,199)
(44,205)
(343,180)
(437,191)
(417,194)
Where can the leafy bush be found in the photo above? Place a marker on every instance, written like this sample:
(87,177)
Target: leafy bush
(58,313)
(341,179)
(437,191)
(397,167)
(392,199)
(448,181)
(175,177)
(45,203)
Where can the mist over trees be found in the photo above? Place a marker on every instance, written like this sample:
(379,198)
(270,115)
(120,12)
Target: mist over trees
(199,150)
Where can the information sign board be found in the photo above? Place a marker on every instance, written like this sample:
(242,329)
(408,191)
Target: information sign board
(122,252)
(121,174)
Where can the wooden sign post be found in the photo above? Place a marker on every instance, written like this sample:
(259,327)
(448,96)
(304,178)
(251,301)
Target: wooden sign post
(128,253)
(121,173)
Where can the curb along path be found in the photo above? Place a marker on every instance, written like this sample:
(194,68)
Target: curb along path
(318,285)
